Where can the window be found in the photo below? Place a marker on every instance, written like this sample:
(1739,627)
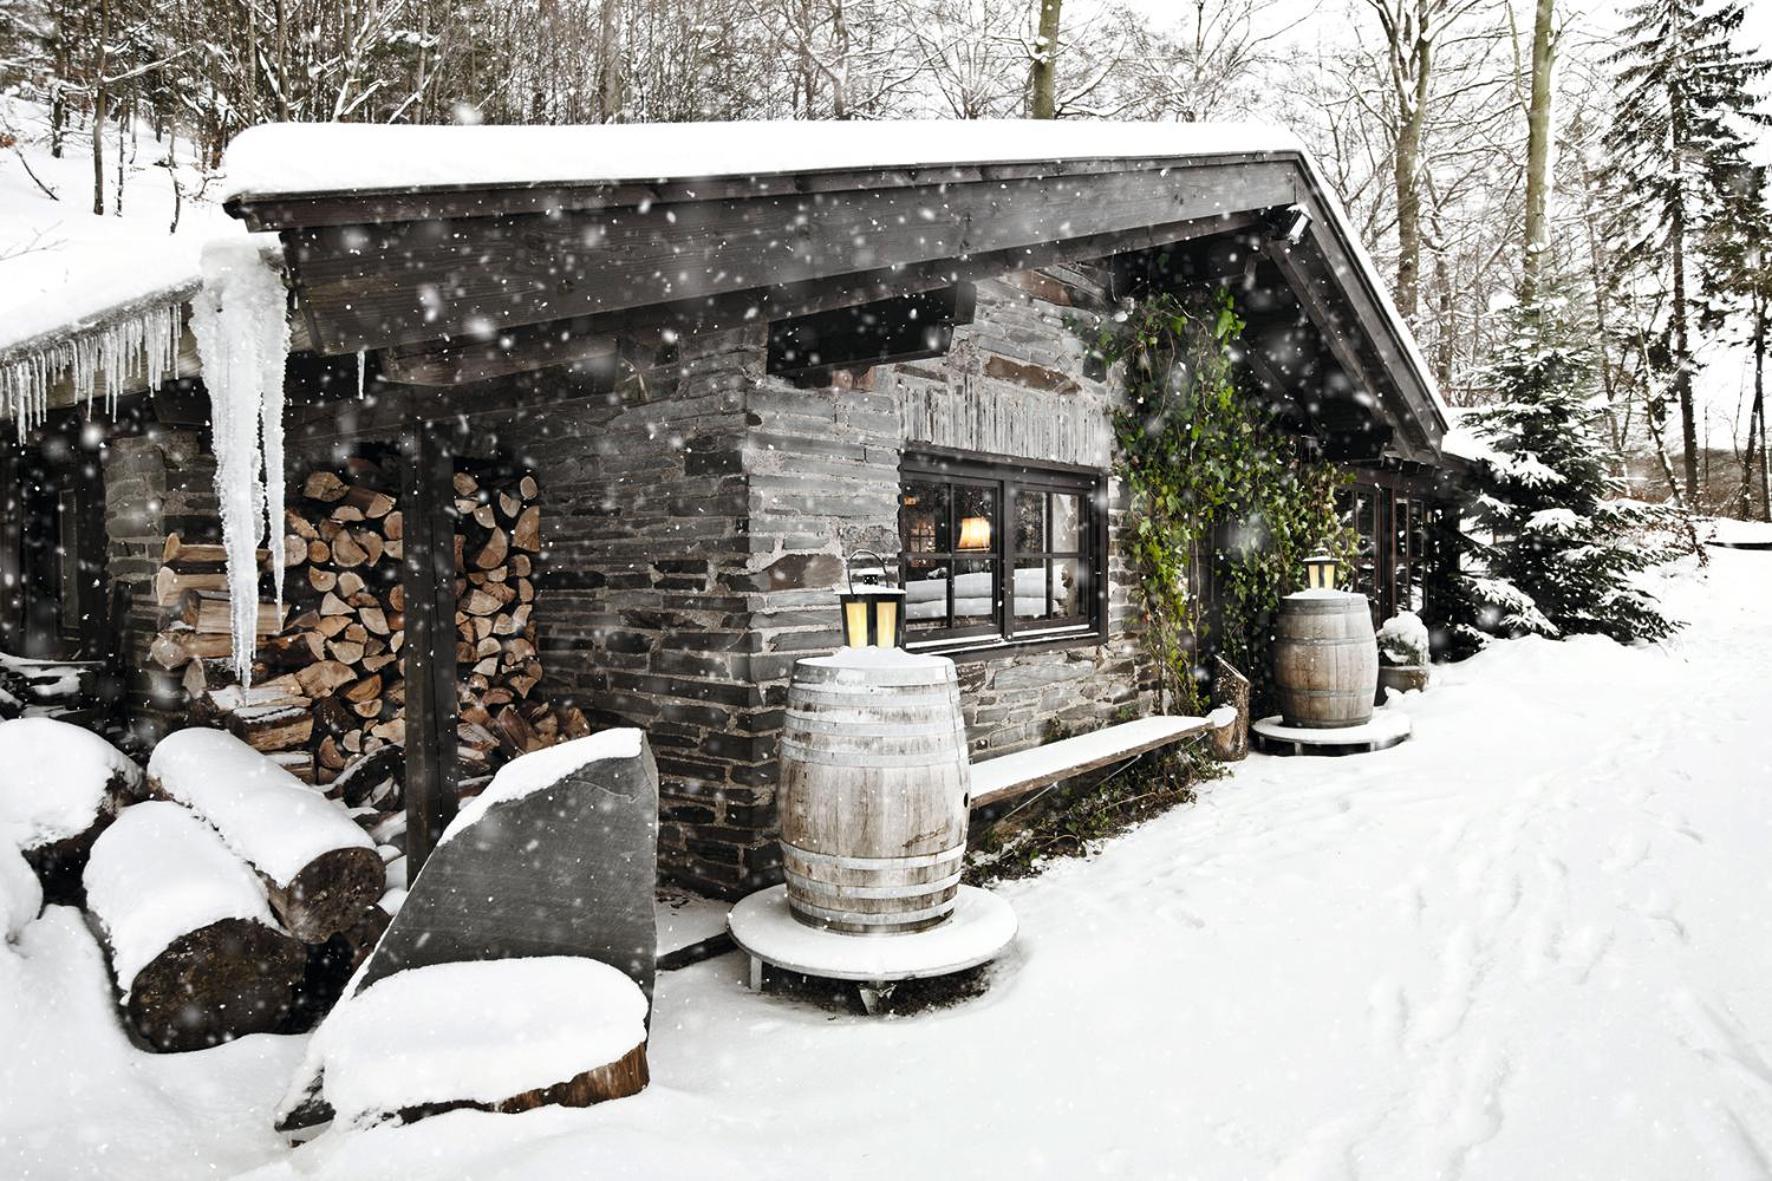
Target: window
(997,552)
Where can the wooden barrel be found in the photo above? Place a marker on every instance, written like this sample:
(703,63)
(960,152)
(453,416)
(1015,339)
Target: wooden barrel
(874,791)
(1325,660)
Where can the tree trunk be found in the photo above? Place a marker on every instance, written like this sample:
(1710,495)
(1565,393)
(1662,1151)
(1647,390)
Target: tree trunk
(1407,172)
(1757,423)
(1538,151)
(99,99)
(609,62)
(1043,72)
(1682,343)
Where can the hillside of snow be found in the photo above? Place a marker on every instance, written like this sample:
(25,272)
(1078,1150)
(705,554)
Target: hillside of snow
(1531,942)
(60,264)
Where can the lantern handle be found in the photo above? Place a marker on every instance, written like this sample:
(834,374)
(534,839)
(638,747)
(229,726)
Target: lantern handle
(849,565)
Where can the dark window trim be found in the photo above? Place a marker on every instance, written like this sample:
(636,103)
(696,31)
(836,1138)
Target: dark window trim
(1009,475)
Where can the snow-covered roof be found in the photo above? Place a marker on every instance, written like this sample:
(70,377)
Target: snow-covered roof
(288,159)
(87,301)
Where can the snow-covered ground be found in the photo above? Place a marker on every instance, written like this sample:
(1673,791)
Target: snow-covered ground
(1532,942)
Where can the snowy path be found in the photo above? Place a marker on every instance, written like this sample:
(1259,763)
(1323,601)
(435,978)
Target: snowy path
(1533,942)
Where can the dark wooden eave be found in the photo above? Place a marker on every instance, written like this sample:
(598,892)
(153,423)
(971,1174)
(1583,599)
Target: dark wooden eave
(447,283)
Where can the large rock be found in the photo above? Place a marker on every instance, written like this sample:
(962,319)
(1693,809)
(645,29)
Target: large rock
(559,856)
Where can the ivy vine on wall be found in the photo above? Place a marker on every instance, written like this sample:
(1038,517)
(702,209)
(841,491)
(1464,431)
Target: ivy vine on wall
(1221,497)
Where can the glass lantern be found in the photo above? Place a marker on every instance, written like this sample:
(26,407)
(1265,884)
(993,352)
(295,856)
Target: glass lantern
(873,612)
(1320,570)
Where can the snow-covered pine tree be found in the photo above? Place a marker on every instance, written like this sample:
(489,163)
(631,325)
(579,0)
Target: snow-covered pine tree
(1739,278)
(1676,152)
(1558,550)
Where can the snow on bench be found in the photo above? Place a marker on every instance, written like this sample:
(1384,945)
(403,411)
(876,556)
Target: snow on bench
(1008,776)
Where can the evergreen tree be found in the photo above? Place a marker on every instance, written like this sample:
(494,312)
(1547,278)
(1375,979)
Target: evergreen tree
(1740,278)
(1676,153)
(1558,551)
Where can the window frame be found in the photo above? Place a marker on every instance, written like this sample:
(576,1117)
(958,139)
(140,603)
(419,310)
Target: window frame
(1010,479)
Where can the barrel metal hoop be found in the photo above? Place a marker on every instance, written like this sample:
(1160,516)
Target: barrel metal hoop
(871,919)
(940,728)
(855,759)
(911,890)
(918,861)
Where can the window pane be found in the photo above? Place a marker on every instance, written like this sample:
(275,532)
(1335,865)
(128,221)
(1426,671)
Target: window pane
(975,512)
(926,595)
(974,597)
(1030,521)
(1069,526)
(923,516)
(1070,587)
(1030,588)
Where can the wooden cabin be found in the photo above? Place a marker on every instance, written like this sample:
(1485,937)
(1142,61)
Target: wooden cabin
(728,357)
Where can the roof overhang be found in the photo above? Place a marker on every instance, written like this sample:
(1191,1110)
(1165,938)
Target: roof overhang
(445,279)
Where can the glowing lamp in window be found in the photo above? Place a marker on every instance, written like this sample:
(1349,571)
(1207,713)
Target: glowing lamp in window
(872,611)
(975,533)
(1320,571)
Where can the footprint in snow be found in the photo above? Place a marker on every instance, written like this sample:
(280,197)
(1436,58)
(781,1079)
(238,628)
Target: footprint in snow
(1586,948)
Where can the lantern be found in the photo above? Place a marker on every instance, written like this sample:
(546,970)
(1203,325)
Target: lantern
(1319,571)
(975,533)
(872,611)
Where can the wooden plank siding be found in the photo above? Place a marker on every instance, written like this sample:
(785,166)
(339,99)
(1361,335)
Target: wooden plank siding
(371,286)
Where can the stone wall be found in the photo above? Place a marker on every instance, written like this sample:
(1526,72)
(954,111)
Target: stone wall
(696,519)
(695,512)
(158,482)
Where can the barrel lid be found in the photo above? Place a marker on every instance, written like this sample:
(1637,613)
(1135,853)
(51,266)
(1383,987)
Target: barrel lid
(1323,600)
(881,658)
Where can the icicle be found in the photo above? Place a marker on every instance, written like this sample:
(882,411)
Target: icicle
(142,343)
(240,321)
(362,371)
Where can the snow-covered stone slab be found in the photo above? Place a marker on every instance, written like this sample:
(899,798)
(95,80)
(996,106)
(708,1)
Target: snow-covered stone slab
(196,953)
(558,856)
(500,1035)
(1008,776)
(60,785)
(321,868)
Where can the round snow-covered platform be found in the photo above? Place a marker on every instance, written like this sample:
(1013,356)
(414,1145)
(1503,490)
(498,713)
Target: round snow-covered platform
(1387,728)
(981,926)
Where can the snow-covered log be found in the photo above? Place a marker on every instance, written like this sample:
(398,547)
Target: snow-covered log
(564,1031)
(320,869)
(21,895)
(197,956)
(60,785)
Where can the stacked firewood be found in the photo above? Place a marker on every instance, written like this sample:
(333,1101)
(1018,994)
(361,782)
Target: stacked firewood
(497,540)
(328,685)
(350,612)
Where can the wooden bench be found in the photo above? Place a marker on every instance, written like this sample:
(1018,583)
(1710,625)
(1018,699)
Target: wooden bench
(1008,776)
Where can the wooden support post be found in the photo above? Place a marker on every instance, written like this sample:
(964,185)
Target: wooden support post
(427,573)
(12,549)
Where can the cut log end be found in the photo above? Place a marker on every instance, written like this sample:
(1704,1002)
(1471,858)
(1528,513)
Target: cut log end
(214,984)
(330,894)
(626,1076)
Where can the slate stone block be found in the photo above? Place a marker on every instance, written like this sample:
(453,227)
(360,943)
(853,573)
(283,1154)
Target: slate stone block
(568,869)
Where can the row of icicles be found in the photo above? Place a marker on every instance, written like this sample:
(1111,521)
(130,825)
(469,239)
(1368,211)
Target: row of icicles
(239,318)
(142,345)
